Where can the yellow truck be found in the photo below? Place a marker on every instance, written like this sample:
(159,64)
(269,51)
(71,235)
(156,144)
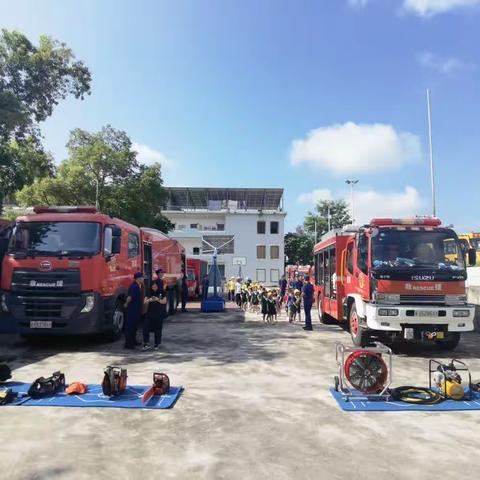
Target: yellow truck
(470,243)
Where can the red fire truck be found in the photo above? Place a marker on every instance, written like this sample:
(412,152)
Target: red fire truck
(67,270)
(196,271)
(292,271)
(394,279)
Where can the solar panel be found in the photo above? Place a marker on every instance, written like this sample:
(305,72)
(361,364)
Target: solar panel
(185,198)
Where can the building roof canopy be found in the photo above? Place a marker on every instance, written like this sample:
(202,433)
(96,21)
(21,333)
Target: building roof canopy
(181,198)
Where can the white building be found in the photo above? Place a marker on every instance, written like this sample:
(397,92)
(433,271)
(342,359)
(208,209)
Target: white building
(251,220)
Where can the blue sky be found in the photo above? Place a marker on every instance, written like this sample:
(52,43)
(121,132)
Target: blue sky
(271,93)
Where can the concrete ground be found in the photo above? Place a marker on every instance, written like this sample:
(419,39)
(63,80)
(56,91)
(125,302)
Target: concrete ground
(256,405)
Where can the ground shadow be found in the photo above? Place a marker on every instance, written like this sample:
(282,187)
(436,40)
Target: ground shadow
(219,337)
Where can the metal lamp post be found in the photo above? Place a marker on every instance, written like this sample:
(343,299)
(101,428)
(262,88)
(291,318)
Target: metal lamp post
(352,183)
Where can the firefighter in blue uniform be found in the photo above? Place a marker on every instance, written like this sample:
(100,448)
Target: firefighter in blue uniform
(205,285)
(133,305)
(307,293)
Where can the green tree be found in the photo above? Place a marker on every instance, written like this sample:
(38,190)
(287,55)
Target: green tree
(339,216)
(21,163)
(104,162)
(33,79)
(299,247)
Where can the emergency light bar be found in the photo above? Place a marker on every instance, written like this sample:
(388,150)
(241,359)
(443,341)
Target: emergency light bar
(65,209)
(429,222)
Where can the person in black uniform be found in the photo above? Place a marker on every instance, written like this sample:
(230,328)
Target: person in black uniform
(133,305)
(184,292)
(156,309)
(307,293)
(159,280)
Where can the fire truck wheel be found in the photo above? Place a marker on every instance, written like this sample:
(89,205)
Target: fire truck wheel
(360,337)
(450,344)
(118,319)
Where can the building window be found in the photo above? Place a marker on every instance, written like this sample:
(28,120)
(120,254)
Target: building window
(217,241)
(274,275)
(261,251)
(261,275)
(274,228)
(220,227)
(194,226)
(133,245)
(261,227)
(274,252)
(196,250)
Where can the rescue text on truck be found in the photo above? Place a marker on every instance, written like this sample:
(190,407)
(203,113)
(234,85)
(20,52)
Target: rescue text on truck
(394,279)
(67,271)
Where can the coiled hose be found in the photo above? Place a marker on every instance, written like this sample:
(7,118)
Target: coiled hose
(416,395)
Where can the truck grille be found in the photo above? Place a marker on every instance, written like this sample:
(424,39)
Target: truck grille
(46,284)
(45,295)
(423,299)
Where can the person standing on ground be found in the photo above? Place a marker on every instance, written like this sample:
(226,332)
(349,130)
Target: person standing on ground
(156,309)
(231,289)
(133,305)
(159,280)
(283,288)
(307,294)
(205,285)
(184,292)
(298,285)
(238,292)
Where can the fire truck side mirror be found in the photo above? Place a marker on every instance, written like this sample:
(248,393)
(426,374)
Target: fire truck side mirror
(472,257)
(116,245)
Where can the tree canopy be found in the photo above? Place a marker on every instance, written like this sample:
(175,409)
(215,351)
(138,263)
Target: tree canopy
(103,162)
(299,244)
(339,216)
(33,79)
(299,247)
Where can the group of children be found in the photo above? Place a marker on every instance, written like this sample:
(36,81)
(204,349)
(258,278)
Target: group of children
(256,298)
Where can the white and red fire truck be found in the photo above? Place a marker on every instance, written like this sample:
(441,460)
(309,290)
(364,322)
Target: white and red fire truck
(395,279)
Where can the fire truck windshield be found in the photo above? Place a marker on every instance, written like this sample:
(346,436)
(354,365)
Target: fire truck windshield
(431,249)
(56,239)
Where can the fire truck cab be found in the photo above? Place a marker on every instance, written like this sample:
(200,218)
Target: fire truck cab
(67,270)
(394,279)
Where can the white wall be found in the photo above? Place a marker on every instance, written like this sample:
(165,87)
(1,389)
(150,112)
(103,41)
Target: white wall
(243,226)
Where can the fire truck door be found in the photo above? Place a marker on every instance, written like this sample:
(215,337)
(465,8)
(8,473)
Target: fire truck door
(329,281)
(360,280)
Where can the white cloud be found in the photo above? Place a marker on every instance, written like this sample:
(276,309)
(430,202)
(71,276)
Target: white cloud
(372,203)
(445,65)
(148,156)
(315,196)
(352,148)
(429,8)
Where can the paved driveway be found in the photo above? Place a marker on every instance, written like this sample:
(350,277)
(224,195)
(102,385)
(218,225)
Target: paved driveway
(256,406)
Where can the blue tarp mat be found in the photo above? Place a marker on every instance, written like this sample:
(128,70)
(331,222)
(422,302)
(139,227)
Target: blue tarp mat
(364,405)
(130,398)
